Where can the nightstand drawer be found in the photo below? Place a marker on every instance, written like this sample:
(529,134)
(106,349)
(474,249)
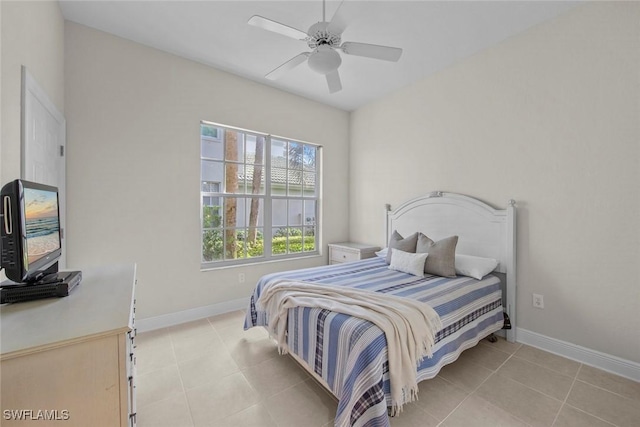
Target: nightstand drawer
(343,255)
(348,251)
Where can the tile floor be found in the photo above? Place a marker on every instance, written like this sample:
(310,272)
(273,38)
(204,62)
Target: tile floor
(212,373)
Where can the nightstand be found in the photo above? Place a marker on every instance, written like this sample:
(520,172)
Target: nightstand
(349,251)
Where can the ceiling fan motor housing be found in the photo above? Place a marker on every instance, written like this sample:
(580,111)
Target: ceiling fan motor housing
(319,36)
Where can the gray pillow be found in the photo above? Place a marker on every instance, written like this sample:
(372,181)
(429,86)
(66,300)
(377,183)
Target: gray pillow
(404,244)
(442,255)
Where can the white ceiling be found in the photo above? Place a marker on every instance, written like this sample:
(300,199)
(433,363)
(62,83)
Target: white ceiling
(433,34)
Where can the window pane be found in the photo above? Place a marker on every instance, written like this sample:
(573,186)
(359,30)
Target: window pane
(234,212)
(295,212)
(309,180)
(278,153)
(244,182)
(278,182)
(211,171)
(309,212)
(295,155)
(234,178)
(255,243)
(254,170)
(211,149)
(255,149)
(309,236)
(255,179)
(233,146)
(309,160)
(294,180)
(212,245)
(211,212)
(241,243)
(279,241)
(254,207)
(279,212)
(295,240)
(232,244)
(255,212)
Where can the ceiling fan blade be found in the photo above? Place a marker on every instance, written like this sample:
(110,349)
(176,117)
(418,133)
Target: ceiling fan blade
(287,66)
(386,53)
(338,22)
(276,27)
(333,80)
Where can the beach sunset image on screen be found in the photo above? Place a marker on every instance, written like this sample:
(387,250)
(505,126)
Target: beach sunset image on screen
(42,224)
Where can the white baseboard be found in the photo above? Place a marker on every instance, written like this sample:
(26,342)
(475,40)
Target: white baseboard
(606,362)
(171,319)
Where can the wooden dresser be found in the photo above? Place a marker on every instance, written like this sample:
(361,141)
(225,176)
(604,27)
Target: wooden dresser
(71,360)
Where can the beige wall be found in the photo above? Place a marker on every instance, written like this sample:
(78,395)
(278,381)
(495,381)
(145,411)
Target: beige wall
(133,125)
(33,36)
(549,118)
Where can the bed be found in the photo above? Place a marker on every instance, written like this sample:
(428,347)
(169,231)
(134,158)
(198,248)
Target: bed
(348,355)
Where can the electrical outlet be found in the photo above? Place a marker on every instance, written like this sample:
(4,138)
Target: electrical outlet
(240,277)
(538,301)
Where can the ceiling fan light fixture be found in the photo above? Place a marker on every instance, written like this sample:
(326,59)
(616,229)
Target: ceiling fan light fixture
(324,60)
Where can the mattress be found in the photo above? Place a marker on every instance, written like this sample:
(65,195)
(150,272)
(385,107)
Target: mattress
(350,354)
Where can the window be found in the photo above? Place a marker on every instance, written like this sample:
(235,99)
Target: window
(259,196)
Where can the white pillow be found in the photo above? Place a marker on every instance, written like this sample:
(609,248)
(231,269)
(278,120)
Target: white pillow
(474,266)
(382,253)
(407,262)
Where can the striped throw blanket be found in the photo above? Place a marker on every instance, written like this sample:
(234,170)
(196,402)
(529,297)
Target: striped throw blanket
(410,326)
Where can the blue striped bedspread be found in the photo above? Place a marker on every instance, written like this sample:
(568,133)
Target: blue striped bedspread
(350,354)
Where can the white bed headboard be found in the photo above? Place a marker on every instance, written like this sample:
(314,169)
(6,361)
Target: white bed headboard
(482,230)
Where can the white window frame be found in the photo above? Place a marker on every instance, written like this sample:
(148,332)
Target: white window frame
(268,198)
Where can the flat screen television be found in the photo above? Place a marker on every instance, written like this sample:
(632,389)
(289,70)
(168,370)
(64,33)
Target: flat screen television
(30,230)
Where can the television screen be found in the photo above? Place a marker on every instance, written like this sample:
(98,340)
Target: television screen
(30,230)
(42,225)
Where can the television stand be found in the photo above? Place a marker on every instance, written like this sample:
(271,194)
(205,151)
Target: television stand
(58,284)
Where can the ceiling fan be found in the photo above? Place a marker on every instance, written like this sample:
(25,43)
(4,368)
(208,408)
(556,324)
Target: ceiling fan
(324,38)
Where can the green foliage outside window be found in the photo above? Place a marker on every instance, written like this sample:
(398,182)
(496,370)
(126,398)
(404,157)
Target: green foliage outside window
(213,239)
(213,246)
(211,217)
